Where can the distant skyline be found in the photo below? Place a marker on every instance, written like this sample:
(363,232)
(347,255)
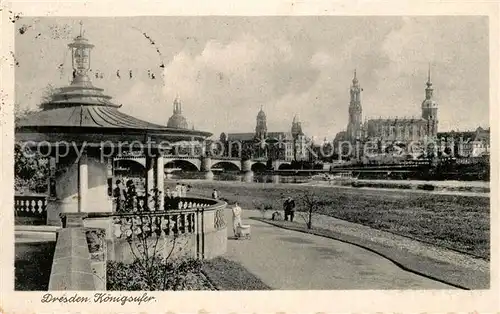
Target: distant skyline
(225,68)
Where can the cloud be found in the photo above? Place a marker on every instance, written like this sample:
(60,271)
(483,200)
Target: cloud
(229,82)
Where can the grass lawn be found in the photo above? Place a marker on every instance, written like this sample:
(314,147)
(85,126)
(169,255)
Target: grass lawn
(228,275)
(33,264)
(453,221)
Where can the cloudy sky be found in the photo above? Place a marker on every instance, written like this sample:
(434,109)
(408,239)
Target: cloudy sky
(225,68)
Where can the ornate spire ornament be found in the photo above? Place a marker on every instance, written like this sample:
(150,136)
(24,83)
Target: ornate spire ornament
(80,55)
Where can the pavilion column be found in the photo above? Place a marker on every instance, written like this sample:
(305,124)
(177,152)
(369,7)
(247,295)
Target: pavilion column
(83,183)
(159,176)
(150,181)
(109,177)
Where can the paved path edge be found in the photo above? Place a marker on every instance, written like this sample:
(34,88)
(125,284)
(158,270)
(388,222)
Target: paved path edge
(447,273)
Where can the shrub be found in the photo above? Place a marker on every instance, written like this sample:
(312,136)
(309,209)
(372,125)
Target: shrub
(174,274)
(263,207)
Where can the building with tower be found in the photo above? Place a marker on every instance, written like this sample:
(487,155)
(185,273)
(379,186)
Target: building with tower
(261,125)
(287,146)
(177,120)
(354,127)
(392,130)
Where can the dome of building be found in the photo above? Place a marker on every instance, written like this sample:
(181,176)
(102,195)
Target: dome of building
(429,103)
(177,120)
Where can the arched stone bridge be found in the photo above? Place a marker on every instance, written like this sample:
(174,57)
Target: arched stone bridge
(206,164)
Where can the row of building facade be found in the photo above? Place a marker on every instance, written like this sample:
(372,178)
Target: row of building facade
(294,145)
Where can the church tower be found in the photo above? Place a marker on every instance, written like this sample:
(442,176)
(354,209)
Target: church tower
(355,111)
(296,127)
(261,127)
(430,108)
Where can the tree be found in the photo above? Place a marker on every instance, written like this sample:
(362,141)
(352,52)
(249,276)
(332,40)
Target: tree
(31,170)
(48,92)
(310,201)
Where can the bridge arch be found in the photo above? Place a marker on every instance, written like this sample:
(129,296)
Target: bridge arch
(130,167)
(183,164)
(259,167)
(226,165)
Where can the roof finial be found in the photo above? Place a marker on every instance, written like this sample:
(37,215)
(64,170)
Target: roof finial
(355,73)
(429,74)
(81,28)
(429,83)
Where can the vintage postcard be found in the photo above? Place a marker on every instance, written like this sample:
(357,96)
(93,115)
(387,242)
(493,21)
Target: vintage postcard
(249,157)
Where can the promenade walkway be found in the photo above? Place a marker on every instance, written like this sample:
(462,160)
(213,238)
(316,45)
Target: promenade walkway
(290,260)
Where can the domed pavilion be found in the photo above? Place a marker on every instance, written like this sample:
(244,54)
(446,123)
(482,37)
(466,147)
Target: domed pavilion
(81,129)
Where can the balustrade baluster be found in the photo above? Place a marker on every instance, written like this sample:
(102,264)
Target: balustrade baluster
(174,225)
(188,223)
(30,207)
(183,223)
(36,207)
(165,225)
(191,222)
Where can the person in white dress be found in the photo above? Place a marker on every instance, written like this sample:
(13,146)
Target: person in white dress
(236,218)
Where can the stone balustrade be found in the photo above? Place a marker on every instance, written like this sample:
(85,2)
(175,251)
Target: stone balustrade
(30,206)
(196,225)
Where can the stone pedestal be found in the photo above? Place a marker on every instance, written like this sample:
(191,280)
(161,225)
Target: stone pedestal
(246,168)
(276,178)
(206,168)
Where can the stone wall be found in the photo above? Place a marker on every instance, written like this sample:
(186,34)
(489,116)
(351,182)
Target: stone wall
(71,267)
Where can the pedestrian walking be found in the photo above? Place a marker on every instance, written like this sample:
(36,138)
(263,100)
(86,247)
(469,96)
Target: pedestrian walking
(215,194)
(291,208)
(236,218)
(285,209)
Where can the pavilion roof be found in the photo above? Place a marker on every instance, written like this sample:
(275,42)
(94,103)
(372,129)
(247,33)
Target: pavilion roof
(83,108)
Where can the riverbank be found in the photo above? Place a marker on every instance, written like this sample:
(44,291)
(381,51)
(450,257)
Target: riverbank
(476,188)
(447,220)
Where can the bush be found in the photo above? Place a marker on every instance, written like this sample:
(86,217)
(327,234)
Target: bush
(179,274)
